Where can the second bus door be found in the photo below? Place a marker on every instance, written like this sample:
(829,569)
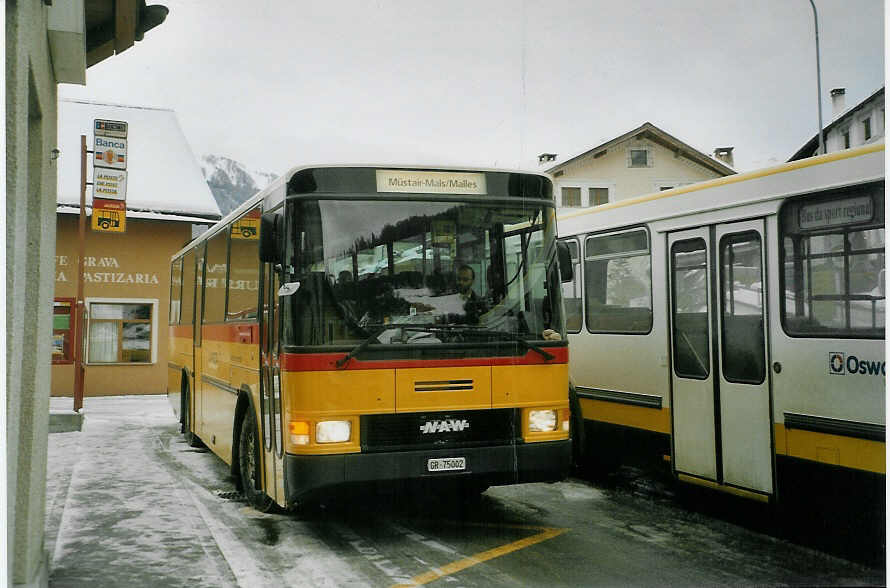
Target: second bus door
(721,409)
(270,387)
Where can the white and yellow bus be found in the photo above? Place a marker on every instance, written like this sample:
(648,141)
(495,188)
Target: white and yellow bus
(735,329)
(350,325)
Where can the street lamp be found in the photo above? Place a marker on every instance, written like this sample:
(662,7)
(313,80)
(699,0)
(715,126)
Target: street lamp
(818,80)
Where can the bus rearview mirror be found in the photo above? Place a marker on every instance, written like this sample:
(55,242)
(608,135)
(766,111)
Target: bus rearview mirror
(566,272)
(269,224)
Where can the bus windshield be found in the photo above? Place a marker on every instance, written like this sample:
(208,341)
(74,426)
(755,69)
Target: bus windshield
(410,272)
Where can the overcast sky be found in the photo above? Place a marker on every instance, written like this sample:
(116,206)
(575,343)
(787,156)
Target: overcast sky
(275,83)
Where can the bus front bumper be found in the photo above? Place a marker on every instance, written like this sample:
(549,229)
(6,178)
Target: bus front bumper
(306,475)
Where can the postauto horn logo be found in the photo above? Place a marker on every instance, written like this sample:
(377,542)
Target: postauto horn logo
(841,365)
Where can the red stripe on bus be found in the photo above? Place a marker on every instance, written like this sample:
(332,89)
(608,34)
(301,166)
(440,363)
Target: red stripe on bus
(182,331)
(316,362)
(233,333)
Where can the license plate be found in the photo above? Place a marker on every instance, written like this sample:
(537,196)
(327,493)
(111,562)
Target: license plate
(446,464)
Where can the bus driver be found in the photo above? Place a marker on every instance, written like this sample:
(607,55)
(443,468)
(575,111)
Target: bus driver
(474,305)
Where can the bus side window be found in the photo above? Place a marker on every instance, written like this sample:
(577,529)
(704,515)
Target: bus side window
(175,291)
(244,271)
(618,282)
(742,308)
(689,305)
(571,291)
(215,278)
(832,271)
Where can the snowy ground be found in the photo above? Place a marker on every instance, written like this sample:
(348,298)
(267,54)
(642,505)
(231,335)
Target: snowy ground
(130,504)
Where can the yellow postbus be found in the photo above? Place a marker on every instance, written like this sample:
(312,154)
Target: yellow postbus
(354,325)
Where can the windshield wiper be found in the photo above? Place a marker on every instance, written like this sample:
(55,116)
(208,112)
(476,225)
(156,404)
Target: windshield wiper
(361,346)
(379,330)
(512,336)
(463,330)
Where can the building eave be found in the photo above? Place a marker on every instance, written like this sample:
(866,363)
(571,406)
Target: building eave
(82,33)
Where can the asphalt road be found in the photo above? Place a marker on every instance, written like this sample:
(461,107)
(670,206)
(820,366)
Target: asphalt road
(572,533)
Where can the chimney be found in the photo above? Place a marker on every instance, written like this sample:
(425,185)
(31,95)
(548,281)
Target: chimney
(724,154)
(838,96)
(545,157)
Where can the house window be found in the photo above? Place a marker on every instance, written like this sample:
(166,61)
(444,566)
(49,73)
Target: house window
(639,157)
(63,330)
(846,135)
(599,196)
(571,197)
(866,128)
(121,331)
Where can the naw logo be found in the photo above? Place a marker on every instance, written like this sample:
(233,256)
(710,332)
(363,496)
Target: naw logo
(444,426)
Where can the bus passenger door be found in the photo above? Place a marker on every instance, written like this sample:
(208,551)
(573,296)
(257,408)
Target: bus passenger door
(695,427)
(722,428)
(746,429)
(198,357)
(270,386)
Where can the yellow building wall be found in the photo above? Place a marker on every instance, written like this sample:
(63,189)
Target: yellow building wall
(131,265)
(625,182)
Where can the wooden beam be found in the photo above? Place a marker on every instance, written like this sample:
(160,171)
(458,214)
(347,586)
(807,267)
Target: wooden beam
(102,52)
(126,13)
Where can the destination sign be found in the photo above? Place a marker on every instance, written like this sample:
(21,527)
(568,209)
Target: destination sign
(836,212)
(430,182)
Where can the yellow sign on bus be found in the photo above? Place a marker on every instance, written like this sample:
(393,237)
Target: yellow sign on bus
(246,228)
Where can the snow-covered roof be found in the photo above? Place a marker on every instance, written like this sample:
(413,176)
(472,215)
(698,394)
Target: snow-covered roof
(163,175)
(145,215)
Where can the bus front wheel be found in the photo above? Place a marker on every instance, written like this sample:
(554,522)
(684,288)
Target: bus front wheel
(248,464)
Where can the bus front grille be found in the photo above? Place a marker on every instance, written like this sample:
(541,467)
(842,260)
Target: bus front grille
(439,430)
(443,385)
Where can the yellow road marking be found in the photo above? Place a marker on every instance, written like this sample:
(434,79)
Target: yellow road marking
(462,564)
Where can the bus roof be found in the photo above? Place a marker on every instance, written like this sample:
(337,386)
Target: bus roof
(273,194)
(841,168)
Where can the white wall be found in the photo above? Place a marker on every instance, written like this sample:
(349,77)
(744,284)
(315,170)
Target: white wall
(873,111)
(30,247)
(666,170)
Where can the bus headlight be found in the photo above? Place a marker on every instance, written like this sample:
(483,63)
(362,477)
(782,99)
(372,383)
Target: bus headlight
(332,431)
(541,421)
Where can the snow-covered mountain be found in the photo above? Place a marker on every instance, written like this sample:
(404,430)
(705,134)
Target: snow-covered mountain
(231,182)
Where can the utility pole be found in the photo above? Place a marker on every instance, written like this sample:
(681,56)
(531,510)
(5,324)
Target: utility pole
(81,246)
(818,81)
